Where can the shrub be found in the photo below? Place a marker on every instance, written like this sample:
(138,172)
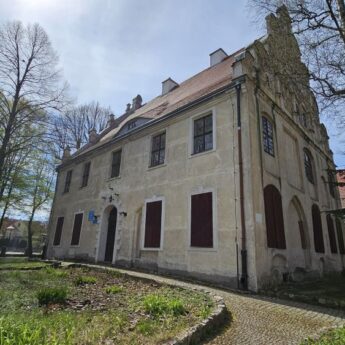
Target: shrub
(52,295)
(157,305)
(113,289)
(82,280)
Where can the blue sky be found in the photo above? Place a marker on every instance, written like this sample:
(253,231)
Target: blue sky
(112,50)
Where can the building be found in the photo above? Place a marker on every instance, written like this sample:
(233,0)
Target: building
(341,180)
(223,177)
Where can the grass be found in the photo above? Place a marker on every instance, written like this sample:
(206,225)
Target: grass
(83,280)
(113,309)
(333,337)
(19,263)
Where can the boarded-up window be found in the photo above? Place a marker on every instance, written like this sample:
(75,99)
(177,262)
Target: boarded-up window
(153,224)
(58,231)
(302,234)
(274,218)
(203,134)
(86,173)
(308,166)
(317,229)
(267,136)
(202,220)
(78,219)
(158,149)
(68,181)
(340,236)
(331,234)
(116,164)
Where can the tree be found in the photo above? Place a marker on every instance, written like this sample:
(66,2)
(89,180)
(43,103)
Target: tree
(320,29)
(72,127)
(40,189)
(29,85)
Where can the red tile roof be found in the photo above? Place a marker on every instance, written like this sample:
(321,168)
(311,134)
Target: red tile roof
(201,84)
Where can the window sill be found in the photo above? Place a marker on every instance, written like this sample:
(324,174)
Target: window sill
(202,249)
(113,178)
(191,155)
(151,249)
(156,166)
(75,246)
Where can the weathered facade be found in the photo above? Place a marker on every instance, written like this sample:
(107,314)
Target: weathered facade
(224,177)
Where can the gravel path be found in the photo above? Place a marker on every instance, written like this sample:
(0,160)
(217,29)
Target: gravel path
(264,321)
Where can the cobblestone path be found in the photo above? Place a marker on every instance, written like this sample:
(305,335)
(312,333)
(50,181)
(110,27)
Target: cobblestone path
(264,321)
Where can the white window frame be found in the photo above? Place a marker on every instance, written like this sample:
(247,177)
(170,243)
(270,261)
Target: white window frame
(81,228)
(153,199)
(150,150)
(214,220)
(111,162)
(56,221)
(198,116)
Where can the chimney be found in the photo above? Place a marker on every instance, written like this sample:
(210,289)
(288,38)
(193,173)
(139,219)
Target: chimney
(93,136)
(66,153)
(137,102)
(168,85)
(111,120)
(217,56)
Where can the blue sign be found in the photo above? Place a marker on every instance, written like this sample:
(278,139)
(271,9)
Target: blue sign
(91,216)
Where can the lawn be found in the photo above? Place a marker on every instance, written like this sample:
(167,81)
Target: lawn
(333,337)
(81,306)
(19,263)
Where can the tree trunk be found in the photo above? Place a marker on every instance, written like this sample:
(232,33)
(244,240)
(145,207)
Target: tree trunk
(6,206)
(29,247)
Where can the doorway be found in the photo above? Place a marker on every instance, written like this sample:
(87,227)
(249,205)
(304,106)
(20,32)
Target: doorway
(111,232)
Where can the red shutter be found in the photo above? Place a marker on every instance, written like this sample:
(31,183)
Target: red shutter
(274,218)
(202,220)
(340,236)
(153,224)
(78,219)
(58,231)
(331,234)
(317,229)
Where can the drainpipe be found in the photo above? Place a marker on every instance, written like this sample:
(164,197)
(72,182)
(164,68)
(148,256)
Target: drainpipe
(244,273)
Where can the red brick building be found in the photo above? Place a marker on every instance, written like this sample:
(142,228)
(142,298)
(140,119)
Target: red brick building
(341,178)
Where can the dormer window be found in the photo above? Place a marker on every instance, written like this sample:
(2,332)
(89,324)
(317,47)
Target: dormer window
(131,125)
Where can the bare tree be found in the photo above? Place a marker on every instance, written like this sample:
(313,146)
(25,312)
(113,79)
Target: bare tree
(72,127)
(319,26)
(29,85)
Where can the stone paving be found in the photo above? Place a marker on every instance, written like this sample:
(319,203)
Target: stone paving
(264,321)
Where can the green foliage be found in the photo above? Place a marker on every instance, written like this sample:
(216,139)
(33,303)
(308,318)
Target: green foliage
(145,327)
(52,295)
(113,289)
(56,272)
(82,280)
(333,337)
(157,305)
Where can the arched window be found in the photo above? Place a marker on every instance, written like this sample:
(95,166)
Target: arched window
(317,229)
(331,234)
(340,236)
(308,166)
(274,218)
(267,136)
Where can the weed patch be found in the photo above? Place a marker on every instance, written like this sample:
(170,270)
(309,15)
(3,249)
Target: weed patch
(113,289)
(52,295)
(82,280)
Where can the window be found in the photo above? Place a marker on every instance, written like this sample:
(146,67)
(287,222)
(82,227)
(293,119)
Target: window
(340,236)
(317,229)
(68,181)
(115,164)
(308,166)
(203,134)
(274,218)
(201,220)
(78,220)
(331,184)
(131,125)
(58,231)
(331,234)
(267,136)
(86,174)
(153,224)
(158,150)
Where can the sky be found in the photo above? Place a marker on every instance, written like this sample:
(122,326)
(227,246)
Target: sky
(112,50)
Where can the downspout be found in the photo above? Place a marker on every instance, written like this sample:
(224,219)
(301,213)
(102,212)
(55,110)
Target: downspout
(244,273)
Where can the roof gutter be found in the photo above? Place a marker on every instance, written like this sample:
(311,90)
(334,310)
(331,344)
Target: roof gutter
(174,113)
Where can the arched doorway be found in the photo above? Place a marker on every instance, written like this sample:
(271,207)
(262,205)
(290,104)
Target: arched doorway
(111,232)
